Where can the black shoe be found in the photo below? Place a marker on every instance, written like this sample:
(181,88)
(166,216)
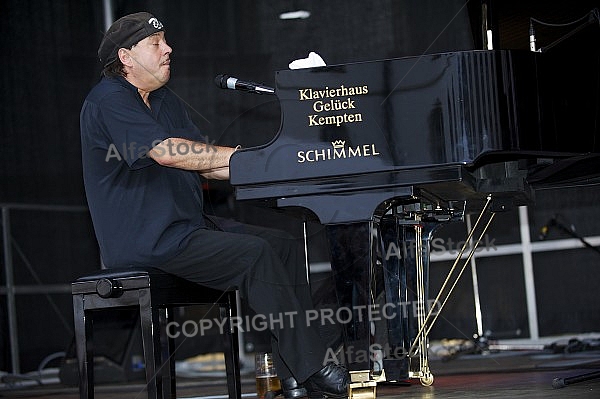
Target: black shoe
(291,388)
(332,381)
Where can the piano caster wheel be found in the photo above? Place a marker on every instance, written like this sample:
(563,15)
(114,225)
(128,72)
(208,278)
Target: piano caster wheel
(427,380)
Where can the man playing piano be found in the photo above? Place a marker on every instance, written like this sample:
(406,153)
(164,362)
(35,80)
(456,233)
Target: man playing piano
(142,162)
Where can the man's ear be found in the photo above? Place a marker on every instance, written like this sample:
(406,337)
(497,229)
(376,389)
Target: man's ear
(125,57)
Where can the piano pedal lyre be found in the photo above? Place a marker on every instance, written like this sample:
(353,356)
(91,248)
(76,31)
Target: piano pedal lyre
(419,347)
(421,341)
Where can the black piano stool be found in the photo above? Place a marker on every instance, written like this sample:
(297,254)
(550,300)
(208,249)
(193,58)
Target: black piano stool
(156,293)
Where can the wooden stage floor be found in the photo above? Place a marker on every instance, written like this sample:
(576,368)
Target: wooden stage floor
(529,384)
(504,375)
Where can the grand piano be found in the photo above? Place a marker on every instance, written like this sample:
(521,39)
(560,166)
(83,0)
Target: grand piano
(385,152)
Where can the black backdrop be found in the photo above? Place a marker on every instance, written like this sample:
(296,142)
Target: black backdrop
(49,64)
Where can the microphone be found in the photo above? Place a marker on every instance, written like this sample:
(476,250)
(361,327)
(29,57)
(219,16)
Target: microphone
(531,37)
(546,229)
(229,82)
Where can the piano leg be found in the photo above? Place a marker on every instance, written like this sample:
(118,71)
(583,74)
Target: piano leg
(395,249)
(353,255)
(405,249)
(358,253)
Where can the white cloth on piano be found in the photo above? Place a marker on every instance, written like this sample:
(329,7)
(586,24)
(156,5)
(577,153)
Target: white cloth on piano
(313,60)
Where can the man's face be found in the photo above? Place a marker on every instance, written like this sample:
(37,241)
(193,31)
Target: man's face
(151,63)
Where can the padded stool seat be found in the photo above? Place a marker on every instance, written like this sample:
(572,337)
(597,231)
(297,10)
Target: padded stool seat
(156,293)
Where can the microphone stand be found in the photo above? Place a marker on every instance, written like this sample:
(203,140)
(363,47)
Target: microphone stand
(572,233)
(558,383)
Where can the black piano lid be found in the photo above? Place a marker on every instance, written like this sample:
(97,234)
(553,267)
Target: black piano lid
(378,124)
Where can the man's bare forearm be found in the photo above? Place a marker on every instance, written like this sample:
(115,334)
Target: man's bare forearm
(192,155)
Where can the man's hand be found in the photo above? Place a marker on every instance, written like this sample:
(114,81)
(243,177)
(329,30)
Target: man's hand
(217,174)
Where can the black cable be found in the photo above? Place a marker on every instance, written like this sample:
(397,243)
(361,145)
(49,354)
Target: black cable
(592,15)
(595,13)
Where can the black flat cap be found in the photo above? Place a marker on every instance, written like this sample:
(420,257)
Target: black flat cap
(125,32)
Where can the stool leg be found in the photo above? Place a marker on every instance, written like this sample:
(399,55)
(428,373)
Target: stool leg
(167,348)
(231,347)
(83,324)
(150,326)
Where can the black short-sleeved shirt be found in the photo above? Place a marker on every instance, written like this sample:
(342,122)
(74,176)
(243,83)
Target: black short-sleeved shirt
(142,212)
